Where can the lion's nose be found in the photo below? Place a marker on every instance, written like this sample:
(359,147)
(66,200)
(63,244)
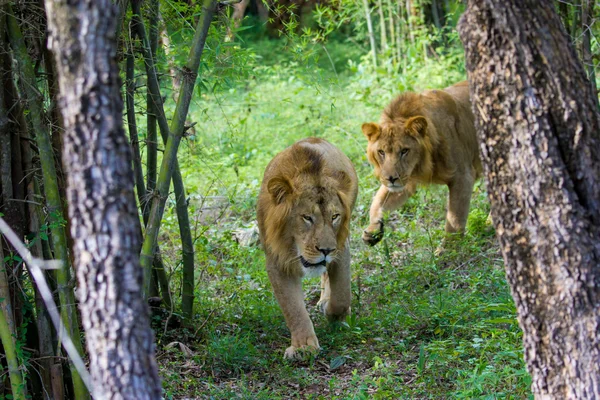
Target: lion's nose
(325,251)
(392,179)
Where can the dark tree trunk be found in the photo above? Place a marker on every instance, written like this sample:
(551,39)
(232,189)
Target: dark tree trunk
(539,131)
(102,208)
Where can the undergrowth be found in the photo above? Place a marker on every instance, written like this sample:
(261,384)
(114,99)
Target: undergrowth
(422,326)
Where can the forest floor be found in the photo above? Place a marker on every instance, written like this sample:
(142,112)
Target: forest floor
(422,326)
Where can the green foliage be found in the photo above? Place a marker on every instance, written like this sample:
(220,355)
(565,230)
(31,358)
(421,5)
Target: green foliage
(422,326)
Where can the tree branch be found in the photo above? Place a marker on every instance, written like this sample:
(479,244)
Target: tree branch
(35,267)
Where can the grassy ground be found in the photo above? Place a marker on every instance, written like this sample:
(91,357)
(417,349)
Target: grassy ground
(422,326)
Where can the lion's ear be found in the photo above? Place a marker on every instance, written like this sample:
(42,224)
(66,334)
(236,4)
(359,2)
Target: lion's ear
(344,181)
(417,125)
(280,188)
(371,130)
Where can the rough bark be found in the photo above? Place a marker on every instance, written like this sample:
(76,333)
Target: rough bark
(102,208)
(539,130)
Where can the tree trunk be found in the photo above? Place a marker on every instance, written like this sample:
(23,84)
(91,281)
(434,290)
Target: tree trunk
(409,18)
(178,187)
(151,100)
(563,9)
(159,269)
(382,30)
(10,351)
(587,18)
(539,131)
(169,162)
(371,33)
(435,14)
(394,43)
(102,207)
(53,199)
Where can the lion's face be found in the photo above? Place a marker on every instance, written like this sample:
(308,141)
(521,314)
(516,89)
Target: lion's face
(316,219)
(315,223)
(396,150)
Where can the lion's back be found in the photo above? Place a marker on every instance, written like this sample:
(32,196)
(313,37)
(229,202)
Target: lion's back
(454,120)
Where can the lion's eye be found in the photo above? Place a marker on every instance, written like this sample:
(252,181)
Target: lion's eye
(381,153)
(307,218)
(404,152)
(334,217)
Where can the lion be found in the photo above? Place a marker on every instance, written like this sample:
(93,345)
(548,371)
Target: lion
(421,139)
(303,211)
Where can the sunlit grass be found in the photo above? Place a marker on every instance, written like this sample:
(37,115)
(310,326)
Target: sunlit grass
(423,326)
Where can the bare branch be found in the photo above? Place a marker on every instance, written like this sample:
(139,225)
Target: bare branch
(35,266)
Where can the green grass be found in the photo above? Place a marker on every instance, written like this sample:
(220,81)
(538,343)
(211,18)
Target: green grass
(422,326)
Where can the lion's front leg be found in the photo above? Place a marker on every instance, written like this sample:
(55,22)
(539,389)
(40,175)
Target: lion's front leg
(336,294)
(383,201)
(289,295)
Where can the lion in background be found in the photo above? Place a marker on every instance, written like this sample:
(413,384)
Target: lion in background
(304,207)
(421,139)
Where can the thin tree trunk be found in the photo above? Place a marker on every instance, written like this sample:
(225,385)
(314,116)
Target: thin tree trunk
(383,32)
(7,325)
(576,19)
(53,199)
(400,37)
(435,14)
(564,15)
(138,171)
(151,99)
(538,126)
(121,11)
(47,338)
(8,343)
(177,130)
(139,175)
(179,189)
(166,46)
(371,33)
(393,38)
(43,322)
(409,15)
(102,207)
(586,44)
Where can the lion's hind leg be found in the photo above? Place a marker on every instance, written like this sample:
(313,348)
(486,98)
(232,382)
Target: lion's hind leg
(325,292)
(459,200)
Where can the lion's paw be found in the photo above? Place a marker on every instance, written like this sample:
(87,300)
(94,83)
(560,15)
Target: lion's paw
(322,304)
(440,250)
(299,352)
(333,314)
(372,236)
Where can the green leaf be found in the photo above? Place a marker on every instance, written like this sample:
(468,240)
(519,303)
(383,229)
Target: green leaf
(337,362)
